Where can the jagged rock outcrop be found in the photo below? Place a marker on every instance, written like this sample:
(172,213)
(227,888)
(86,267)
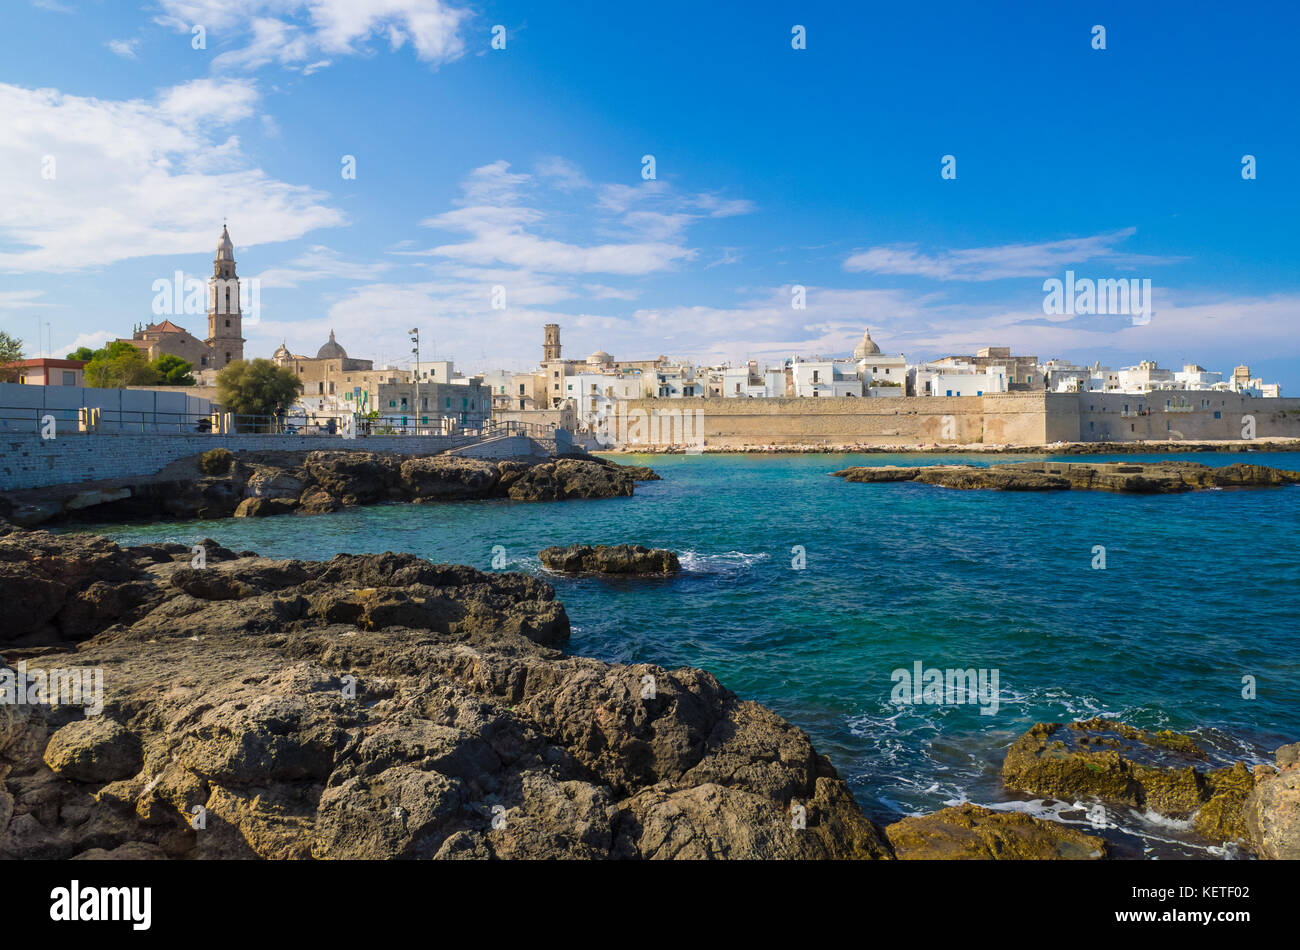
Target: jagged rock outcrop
(381,706)
(218,484)
(571,478)
(1136,477)
(969,832)
(1272,809)
(1163,771)
(610,559)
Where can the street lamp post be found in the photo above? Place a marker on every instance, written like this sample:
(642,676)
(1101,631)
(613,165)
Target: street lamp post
(415,348)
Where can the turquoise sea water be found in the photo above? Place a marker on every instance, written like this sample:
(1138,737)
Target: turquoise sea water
(1199,590)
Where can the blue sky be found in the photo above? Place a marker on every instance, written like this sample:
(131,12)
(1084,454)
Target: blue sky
(521,168)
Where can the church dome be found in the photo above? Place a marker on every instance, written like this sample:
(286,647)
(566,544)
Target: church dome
(281,353)
(225,246)
(599,358)
(866,348)
(331,350)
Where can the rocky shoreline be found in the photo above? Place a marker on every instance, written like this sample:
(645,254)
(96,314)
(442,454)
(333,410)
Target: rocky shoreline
(219,484)
(1130,477)
(382,706)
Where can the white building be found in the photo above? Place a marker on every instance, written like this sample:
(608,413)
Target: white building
(595,394)
(740,382)
(826,378)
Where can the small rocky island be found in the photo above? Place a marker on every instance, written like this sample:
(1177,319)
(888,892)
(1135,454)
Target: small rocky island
(610,559)
(1135,477)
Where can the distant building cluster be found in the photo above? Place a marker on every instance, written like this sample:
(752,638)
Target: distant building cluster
(577,393)
(593,387)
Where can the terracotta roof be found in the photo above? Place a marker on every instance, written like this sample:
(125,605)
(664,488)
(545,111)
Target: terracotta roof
(50,364)
(165,327)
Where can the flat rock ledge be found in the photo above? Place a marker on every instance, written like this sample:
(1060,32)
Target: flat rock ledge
(220,484)
(1166,772)
(375,706)
(970,832)
(1135,477)
(610,559)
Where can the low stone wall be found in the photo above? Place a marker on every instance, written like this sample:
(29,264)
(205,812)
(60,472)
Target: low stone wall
(28,461)
(1015,419)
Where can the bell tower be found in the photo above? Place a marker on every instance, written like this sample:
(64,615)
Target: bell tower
(550,342)
(225,317)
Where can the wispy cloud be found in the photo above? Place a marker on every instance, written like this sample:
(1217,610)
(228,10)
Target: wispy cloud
(124,48)
(303,34)
(1002,261)
(94,181)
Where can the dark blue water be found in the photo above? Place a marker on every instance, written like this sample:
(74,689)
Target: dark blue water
(1199,590)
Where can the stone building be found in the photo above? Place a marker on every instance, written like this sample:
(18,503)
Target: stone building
(225,340)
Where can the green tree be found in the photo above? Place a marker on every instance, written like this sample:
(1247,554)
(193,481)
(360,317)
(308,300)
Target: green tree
(174,371)
(120,365)
(255,388)
(11,351)
(84,353)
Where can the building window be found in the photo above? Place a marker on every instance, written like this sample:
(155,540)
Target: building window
(1216,414)
(69,379)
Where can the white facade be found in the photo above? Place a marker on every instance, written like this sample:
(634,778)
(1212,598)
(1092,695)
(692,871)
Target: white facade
(968,384)
(745,382)
(879,368)
(826,378)
(595,394)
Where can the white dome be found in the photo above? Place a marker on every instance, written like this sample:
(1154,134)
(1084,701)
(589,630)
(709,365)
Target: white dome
(867,347)
(599,358)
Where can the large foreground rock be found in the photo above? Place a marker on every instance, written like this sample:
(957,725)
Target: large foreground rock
(610,559)
(1272,810)
(385,707)
(968,832)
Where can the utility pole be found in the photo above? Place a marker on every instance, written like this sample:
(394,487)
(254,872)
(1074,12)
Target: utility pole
(415,348)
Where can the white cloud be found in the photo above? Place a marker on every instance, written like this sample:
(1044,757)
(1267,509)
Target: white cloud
(320,263)
(996,263)
(134,178)
(22,299)
(304,33)
(92,340)
(493,215)
(124,48)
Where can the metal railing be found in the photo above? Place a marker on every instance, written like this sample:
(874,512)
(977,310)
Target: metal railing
(79,421)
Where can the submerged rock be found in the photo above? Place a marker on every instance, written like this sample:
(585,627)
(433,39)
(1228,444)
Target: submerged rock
(969,832)
(381,706)
(611,559)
